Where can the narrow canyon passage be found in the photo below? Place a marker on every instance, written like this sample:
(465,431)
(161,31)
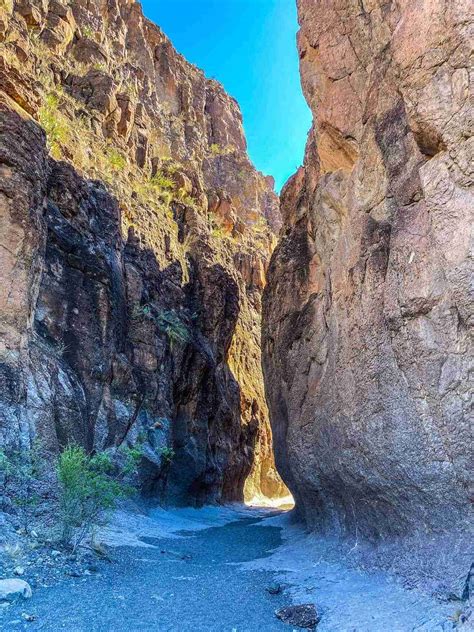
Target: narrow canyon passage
(178,339)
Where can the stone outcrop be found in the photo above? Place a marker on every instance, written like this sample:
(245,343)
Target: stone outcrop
(135,235)
(368,310)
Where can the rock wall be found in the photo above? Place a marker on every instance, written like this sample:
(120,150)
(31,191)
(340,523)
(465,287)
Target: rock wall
(368,311)
(135,234)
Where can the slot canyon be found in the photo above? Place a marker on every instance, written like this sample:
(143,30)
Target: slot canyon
(160,301)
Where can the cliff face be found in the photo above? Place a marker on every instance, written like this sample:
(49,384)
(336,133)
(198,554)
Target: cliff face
(135,238)
(368,307)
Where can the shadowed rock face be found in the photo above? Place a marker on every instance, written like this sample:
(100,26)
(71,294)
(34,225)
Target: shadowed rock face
(368,307)
(133,252)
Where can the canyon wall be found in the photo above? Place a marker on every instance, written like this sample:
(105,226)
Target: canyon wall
(135,234)
(368,310)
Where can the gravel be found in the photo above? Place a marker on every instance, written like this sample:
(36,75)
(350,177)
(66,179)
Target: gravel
(186,584)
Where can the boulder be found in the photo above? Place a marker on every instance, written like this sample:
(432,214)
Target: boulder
(13,589)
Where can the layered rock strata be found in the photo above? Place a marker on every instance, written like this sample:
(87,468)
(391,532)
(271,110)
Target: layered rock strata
(135,234)
(368,310)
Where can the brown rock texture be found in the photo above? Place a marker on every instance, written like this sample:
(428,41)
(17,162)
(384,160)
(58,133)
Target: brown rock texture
(135,238)
(368,310)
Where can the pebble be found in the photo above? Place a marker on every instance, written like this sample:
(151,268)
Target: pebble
(28,617)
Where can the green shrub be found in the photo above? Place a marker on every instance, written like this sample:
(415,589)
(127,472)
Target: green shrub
(87,31)
(167,453)
(218,232)
(5,464)
(132,458)
(218,150)
(54,124)
(167,320)
(162,181)
(171,324)
(183,196)
(116,160)
(88,490)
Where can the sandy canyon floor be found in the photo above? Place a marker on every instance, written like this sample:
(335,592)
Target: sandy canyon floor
(209,570)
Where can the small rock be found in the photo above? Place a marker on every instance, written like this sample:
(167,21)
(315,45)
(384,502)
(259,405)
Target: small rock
(28,617)
(274,589)
(100,549)
(12,589)
(19,570)
(178,555)
(303,616)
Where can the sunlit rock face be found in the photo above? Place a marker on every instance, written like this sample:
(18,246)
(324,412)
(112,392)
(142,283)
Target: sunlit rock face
(368,307)
(135,236)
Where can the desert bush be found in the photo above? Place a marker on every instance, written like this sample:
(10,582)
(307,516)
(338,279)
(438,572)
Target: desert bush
(219,232)
(218,150)
(167,453)
(89,489)
(87,31)
(54,124)
(132,457)
(171,324)
(116,160)
(167,321)
(162,181)
(183,196)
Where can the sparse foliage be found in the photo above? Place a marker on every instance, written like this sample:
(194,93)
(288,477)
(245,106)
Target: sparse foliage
(116,160)
(167,453)
(218,150)
(161,181)
(171,324)
(167,320)
(88,490)
(54,124)
(87,31)
(184,197)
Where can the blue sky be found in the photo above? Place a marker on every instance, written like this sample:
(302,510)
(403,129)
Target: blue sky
(249,46)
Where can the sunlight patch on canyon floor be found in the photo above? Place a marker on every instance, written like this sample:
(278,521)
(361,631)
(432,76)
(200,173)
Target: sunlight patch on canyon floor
(284,503)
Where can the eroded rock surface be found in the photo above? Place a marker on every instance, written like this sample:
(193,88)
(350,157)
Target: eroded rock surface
(135,238)
(369,307)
